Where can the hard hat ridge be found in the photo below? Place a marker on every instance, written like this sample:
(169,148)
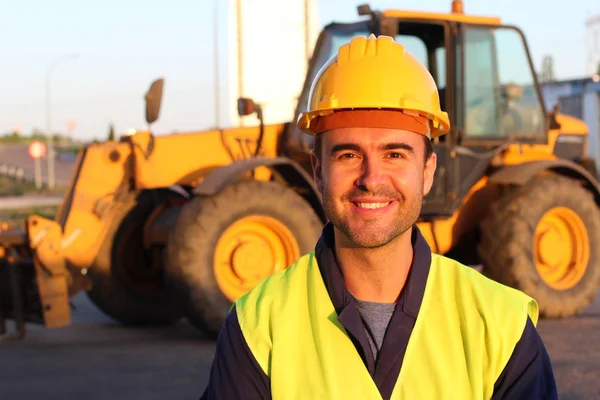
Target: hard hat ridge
(374,73)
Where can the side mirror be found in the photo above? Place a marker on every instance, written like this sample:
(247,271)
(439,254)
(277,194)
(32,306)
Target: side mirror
(388,26)
(364,9)
(153,100)
(246,106)
(552,117)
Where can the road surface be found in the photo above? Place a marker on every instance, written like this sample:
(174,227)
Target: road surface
(97,359)
(16,155)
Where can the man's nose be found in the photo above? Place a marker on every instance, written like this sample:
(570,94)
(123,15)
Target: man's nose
(372,175)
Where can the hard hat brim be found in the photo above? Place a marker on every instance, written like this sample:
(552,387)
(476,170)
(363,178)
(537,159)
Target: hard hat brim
(318,121)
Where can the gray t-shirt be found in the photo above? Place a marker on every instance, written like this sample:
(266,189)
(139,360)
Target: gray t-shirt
(376,317)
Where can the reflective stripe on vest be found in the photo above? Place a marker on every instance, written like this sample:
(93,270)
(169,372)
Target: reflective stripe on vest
(463,337)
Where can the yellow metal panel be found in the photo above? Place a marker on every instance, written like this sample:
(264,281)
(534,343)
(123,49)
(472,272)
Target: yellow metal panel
(454,17)
(54,297)
(242,142)
(519,154)
(426,229)
(178,158)
(442,229)
(50,270)
(105,168)
(185,158)
(572,125)
(446,232)
(63,207)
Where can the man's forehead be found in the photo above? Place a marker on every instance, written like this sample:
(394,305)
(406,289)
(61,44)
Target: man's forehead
(369,135)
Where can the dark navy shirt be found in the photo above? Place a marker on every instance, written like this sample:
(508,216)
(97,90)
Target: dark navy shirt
(235,373)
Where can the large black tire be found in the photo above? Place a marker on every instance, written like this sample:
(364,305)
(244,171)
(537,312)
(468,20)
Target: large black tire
(127,285)
(202,222)
(507,250)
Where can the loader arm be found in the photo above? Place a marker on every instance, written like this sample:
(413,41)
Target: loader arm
(45,262)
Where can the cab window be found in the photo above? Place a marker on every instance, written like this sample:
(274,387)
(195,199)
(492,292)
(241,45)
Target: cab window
(500,99)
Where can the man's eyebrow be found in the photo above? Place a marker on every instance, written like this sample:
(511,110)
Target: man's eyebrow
(355,147)
(344,146)
(397,146)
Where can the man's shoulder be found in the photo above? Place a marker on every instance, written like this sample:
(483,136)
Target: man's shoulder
(471,276)
(483,291)
(490,312)
(273,298)
(273,286)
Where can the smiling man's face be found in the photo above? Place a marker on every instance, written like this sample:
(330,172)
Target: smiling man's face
(372,181)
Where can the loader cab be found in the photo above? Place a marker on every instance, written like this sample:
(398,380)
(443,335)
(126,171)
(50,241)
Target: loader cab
(486,83)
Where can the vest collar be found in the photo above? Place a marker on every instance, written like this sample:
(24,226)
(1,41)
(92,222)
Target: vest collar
(413,290)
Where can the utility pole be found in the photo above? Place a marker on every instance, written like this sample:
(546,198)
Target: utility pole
(547,74)
(49,141)
(216,45)
(240,54)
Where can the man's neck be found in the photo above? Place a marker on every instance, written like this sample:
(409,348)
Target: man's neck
(376,275)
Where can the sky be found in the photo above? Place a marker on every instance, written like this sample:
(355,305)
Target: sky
(123,45)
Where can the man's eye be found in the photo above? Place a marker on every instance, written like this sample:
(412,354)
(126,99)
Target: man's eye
(347,155)
(396,155)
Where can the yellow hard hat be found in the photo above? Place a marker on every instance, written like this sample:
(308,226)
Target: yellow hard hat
(367,83)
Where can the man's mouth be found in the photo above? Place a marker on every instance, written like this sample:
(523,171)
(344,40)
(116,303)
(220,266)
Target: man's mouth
(372,206)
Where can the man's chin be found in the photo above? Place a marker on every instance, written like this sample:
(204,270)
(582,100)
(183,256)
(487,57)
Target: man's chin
(371,242)
(370,235)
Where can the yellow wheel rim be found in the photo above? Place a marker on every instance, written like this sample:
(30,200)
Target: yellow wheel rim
(251,249)
(561,248)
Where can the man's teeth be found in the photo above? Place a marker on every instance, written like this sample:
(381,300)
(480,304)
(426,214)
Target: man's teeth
(372,205)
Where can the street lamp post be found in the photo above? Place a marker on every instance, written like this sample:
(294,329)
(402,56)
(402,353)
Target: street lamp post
(50,145)
(216,65)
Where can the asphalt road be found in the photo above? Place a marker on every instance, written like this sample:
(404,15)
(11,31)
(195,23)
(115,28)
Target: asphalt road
(97,359)
(16,155)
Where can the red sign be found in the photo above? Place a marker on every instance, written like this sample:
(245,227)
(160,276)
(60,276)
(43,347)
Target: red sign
(37,149)
(70,126)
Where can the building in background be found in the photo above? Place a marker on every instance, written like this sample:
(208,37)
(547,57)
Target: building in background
(579,98)
(593,45)
(269,43)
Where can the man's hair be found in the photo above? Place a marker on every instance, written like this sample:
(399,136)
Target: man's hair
(317,146)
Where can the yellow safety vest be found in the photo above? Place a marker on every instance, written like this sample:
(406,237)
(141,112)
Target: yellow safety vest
(464,335)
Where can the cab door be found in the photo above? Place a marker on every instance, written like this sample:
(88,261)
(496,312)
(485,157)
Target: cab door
(498,99)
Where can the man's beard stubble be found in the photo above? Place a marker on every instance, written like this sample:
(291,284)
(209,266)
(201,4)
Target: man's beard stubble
(374,236)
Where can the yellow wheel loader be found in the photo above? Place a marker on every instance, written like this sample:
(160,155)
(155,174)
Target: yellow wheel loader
(158,228)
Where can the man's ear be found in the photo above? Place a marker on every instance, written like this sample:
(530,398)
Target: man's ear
(316,166)
(428,173)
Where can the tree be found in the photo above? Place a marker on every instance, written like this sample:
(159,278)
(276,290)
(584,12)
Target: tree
(111,132)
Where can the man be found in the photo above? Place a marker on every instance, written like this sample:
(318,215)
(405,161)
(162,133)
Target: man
(372,313)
